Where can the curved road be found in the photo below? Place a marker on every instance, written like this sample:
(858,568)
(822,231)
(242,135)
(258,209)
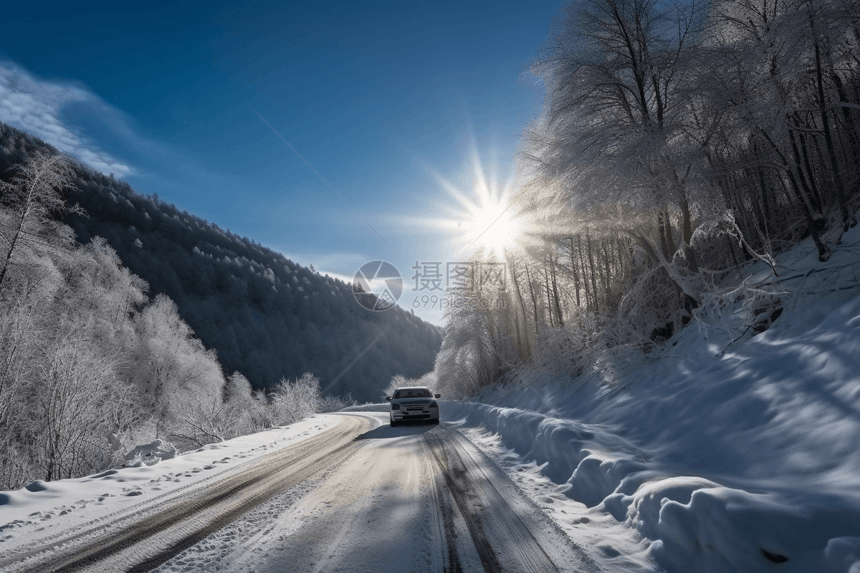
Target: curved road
(358,497)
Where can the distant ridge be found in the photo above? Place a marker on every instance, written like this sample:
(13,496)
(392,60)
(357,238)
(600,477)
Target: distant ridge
(265,315)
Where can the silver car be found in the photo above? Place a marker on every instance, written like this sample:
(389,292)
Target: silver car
(413,403)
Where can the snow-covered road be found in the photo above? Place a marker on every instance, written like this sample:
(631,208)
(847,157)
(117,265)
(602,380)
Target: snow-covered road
(357,496)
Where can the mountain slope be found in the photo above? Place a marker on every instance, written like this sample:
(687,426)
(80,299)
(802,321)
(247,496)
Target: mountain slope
(265,315)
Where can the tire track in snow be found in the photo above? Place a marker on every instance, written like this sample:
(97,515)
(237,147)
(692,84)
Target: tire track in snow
(446,555)
(484,508)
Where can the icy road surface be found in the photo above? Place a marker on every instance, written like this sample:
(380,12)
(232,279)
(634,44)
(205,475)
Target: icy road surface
(357,496)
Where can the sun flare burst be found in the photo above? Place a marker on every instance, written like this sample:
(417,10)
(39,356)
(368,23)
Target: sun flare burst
(491,225)
(484,221)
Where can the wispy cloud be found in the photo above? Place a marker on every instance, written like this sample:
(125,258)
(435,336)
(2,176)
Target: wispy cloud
(36,106)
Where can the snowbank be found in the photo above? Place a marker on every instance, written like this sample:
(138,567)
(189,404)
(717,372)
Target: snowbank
(742,460)
(367,408)
(61,505)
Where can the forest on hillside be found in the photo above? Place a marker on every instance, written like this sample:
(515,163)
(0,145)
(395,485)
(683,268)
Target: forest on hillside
(679,140)
(90,365)
(264,315)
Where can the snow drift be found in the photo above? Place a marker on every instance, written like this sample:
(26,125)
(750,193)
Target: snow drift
(739,456)
(149,454)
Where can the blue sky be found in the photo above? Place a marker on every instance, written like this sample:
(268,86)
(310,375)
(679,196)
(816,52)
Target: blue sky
(383,99)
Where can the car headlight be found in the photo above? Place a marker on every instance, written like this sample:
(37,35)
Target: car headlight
(395,406)
(434,404)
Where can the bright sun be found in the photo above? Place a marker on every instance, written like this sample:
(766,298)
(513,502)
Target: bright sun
(482,220)
(490,224)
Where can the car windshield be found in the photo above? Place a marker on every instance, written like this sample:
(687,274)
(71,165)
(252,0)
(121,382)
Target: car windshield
(412,393)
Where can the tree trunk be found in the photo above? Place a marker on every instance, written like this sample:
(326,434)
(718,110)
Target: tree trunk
(670,240)
(765,205)
(521,308)
(814,198)
(550,310)
(823,251)
(853,140)
(575,273)
(848,220)
(533,296)
(556,297)
(607,285)
(591,266)
(588,300)
(661,228)
(22,220)
(687,219)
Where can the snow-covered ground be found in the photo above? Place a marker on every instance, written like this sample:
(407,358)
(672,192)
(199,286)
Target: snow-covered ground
(389,509)
(721,457)
(417,498)
(42,509)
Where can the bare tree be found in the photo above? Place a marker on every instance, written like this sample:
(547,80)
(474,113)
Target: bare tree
(75,401)
(293,401)
(36,196)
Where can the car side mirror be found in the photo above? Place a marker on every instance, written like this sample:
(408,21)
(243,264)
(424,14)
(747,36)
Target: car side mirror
(438,395)
(388,398)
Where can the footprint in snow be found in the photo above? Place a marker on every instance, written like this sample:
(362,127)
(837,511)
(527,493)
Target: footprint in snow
(609,551)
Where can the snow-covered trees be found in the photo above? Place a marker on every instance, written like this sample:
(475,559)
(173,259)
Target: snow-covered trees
(34,196)
(678,141)
(91,367)
(179,372)
(293,401)
(612,131)
(777,72)
(78,406)
(482,333)
(60,389)
(240,298)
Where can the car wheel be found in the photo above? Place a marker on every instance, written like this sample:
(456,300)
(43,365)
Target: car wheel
(436,421)
(393,424)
